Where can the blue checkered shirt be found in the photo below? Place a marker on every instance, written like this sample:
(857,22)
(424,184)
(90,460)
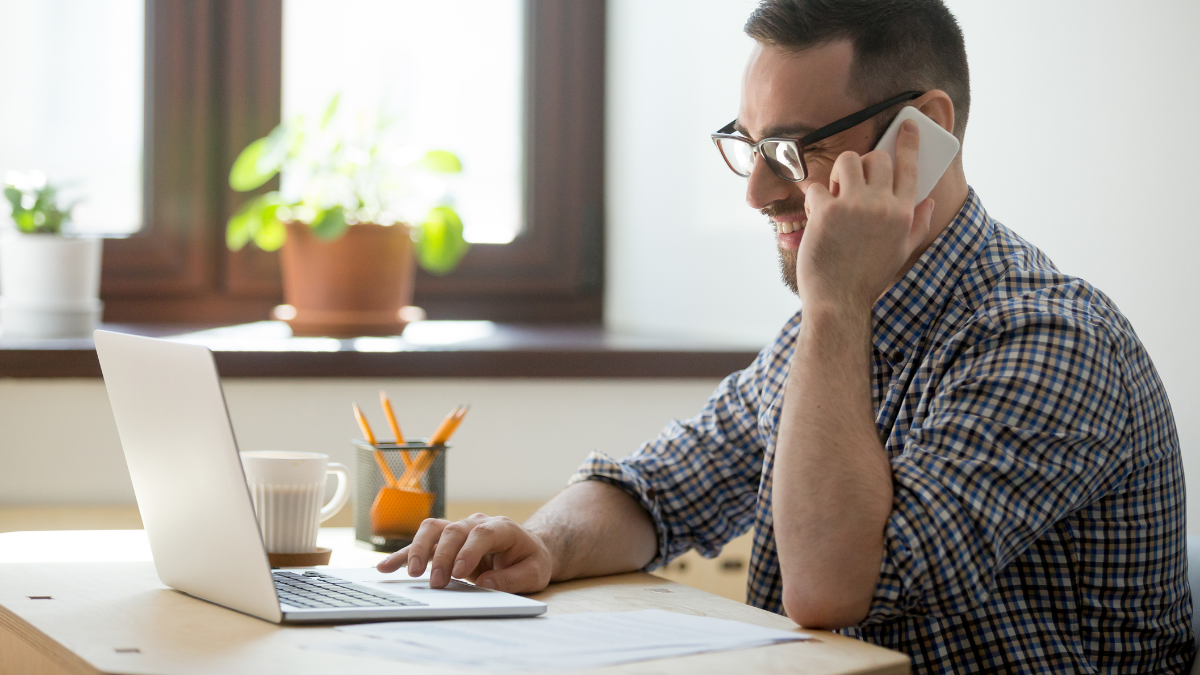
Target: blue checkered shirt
(1038,519)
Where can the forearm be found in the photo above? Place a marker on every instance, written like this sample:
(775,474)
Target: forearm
(832,484)
(592,529)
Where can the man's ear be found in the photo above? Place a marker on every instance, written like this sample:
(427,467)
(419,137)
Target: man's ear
(937,106)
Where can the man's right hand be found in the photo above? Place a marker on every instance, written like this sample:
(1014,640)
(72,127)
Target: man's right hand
(491,552)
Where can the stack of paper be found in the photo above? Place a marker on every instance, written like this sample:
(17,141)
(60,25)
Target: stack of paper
(560,642)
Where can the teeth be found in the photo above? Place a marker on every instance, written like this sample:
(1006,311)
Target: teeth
(784,226)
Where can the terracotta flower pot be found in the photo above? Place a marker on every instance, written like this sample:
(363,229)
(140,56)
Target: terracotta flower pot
(351,286)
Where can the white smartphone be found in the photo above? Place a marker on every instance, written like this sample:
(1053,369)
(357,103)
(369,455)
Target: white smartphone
(938,148)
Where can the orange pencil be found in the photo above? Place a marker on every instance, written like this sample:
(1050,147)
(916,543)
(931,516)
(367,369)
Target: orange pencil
(389,478)
(412,476)
(443,434)
(391,416)
(454,422)
(362,424)
(386,470)
(446,428)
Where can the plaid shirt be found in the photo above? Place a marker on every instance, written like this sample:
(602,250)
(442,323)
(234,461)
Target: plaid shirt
(1038,518)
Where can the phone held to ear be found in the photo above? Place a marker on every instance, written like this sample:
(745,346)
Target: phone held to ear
(938,148)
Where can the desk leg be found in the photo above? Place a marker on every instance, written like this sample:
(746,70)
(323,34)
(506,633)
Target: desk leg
(24,650)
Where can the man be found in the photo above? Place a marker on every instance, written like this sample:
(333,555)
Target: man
(954,450)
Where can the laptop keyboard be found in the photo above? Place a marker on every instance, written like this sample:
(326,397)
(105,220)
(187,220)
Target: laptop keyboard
(313,590)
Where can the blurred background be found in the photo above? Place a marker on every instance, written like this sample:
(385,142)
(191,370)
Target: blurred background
(590,194)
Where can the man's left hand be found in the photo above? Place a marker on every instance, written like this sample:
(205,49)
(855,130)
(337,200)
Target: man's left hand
(864,228)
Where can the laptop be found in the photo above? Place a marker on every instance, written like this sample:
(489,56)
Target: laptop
(196,507)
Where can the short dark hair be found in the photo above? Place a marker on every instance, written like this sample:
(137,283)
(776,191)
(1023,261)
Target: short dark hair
(899,45)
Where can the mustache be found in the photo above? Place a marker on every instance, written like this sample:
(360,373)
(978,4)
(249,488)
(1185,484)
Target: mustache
(783,207)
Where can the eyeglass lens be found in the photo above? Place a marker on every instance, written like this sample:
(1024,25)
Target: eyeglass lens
(784,159)
(739,154)
(782,156)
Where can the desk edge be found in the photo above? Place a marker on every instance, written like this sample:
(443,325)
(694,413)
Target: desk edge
(37,651)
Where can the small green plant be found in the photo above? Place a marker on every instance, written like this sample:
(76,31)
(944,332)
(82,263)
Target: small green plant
(35,205)
(335,173)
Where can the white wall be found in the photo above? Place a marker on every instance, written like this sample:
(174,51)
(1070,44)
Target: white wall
(1082,138)
(521,440)
(685,254)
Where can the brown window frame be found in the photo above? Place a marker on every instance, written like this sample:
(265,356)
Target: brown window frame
(213,85)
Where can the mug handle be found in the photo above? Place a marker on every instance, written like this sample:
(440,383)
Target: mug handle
(340,495)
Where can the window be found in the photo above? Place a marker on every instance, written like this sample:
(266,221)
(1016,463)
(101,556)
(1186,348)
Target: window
(215,79)
(456,87)
(77,100)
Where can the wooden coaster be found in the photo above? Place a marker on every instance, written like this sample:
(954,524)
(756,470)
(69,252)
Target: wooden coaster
(317,557)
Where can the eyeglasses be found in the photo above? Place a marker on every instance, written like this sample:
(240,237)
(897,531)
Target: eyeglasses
(785,156)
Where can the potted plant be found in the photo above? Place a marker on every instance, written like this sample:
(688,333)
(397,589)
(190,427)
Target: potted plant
(354,214)
(50,282)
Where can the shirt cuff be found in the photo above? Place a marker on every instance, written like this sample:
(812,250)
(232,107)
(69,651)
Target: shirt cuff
(600,467)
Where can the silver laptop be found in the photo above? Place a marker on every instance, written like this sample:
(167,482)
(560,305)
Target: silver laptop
(196,508)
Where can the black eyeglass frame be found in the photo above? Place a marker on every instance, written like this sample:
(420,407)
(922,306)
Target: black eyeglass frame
(847,122)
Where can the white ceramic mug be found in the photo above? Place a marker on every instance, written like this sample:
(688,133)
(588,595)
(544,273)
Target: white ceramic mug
(287,489)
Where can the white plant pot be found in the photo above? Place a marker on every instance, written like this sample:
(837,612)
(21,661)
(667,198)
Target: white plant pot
(50,286)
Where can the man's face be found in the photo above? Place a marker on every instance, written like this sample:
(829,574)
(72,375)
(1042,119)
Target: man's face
(789,94)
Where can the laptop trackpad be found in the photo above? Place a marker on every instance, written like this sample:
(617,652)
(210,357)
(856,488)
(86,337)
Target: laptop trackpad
(415,586)
(456,594)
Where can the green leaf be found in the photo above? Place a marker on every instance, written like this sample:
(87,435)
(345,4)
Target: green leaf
(440,243)
(25,222)
(44,216)
(245,224)
(53,221)
(14,198)
(45,200)
(330,224)
(256,222)
(255,165)
(440,161)
(272,234)
(281,143)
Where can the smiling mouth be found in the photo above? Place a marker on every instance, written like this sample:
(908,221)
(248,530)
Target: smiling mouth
(789,226)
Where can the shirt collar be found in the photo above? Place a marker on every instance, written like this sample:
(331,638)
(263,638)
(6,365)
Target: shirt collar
(904,312)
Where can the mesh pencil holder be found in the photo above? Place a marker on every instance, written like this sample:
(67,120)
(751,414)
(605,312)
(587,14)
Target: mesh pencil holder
(387,514)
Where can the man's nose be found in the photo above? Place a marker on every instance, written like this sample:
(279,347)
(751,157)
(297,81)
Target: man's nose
(763,187)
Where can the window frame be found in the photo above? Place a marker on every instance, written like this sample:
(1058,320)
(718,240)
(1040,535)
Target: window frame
(213,84)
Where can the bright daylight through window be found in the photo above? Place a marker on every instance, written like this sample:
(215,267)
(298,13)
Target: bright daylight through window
(77,99)
(447,75)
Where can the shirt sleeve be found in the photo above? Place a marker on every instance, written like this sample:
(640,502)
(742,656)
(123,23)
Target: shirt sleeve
(1028,425)
(699,478)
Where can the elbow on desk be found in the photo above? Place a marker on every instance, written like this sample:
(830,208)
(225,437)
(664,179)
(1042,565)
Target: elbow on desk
(828,606)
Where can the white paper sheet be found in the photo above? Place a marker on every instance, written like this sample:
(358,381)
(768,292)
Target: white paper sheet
(559,642)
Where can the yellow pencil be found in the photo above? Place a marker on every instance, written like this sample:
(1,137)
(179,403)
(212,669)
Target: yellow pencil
(448,425)
(362,425)
(388,477)
(391,418)
(412,476)
(440,437)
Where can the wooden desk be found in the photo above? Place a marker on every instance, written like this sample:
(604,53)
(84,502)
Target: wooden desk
(110,614)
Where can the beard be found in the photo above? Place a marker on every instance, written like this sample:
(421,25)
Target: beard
(787,258)
(787,269)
